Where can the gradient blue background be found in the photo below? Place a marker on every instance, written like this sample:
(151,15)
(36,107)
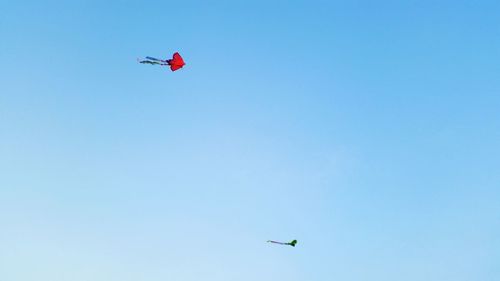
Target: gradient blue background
(367,130)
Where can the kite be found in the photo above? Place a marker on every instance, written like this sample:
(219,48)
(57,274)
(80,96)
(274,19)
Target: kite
(293,243)
(175,63)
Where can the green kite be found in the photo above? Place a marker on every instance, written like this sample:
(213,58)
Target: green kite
(293,243)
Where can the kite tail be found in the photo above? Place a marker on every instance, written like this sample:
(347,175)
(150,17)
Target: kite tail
(148,61)
(276,242)
(155,59)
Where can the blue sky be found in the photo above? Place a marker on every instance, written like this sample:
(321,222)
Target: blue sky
(369,131)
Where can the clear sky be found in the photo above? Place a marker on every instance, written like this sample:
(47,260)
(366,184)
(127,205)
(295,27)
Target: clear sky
(367,130)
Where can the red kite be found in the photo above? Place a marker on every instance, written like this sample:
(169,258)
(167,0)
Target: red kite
(175,63)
